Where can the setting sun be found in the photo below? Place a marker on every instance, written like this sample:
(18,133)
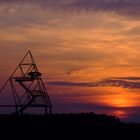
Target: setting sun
(122,98)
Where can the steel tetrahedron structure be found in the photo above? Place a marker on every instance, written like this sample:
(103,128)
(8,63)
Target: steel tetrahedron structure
(27,87)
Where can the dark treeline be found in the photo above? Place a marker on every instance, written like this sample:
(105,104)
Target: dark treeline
(67,126)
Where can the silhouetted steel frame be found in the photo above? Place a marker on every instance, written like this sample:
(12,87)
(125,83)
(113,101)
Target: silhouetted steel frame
(19,106)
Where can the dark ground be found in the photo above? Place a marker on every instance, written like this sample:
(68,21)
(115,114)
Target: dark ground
(86,126)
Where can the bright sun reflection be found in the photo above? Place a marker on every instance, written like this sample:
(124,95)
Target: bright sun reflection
(120,113)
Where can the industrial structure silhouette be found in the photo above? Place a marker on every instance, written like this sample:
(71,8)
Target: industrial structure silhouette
(27,87)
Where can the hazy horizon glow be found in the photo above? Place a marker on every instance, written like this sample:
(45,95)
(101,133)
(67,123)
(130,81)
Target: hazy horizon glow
(77,41)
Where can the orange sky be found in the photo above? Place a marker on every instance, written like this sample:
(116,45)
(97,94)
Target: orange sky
(75,41)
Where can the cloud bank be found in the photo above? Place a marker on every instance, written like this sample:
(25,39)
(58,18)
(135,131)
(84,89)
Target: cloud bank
(124,82)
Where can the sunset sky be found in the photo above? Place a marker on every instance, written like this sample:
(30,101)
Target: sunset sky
(87,50)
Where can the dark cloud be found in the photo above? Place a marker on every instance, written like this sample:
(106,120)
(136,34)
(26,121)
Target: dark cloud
(85,105)
(127,78)
(125,82)
(61,83)
(120,83)
(130,7)
(127,7)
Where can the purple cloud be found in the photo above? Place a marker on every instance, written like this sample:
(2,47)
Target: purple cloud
(125,82)
(127,7)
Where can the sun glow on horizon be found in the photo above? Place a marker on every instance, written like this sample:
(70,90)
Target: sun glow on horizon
(117,97)
(120,113)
